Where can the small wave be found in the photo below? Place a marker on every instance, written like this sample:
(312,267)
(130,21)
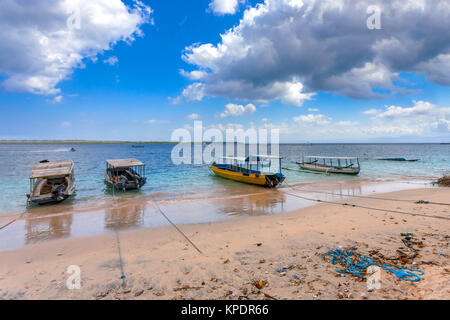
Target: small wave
(54,150)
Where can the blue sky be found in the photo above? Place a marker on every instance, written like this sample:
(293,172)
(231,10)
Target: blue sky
(139,95)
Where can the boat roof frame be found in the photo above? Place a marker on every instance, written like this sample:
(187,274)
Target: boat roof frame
(251,157)
(124,163)
(52,169)
(240,159)
(264,156)
(337,158)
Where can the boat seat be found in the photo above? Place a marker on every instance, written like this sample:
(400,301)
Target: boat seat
(46,189)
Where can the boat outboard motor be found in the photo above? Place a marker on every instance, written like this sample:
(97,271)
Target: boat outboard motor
(57,192)
(269,181)
(124,182)
(140,181)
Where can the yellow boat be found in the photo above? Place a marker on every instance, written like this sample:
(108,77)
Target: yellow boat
(241,169)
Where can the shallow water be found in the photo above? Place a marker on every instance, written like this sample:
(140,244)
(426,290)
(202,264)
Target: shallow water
(168,181)
(63,221)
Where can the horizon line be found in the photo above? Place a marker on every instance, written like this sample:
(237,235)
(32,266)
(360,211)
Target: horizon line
(88,141)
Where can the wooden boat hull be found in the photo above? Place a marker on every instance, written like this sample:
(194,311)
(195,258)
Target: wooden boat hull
(399,159)
(50,198)
(249,178)
(328,169)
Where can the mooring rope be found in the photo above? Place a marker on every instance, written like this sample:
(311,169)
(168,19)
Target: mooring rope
(363,207)
(376,198)
(7,224)
(13,220)
(175,226)
(122,272)
(122,276)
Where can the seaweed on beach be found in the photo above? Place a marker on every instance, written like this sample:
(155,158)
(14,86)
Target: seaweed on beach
(444,181)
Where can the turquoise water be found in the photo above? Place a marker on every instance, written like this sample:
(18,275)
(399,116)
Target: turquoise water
(167,180)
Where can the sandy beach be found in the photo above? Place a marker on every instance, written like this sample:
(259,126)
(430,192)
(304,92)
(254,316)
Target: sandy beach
(283,252)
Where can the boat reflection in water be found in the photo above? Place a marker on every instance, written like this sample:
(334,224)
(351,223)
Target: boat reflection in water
(48,227)
(264,203)
(128,216)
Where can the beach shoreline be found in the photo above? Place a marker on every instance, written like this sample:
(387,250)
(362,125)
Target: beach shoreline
(160,264)
(69,219)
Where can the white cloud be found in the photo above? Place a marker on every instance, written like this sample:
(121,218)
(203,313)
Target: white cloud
(65,124)
(223,127)
(42,42)
(347,123)
(193,92)
(371,111)
(419,108)
(57,99)
(422,119)
(314,119)
(193,75)
(433,125)
(287,49)
(154,121)
(313,110)
(111,60)
(289,92)
(221,7)
(193,116)
(436,69)
(237,110)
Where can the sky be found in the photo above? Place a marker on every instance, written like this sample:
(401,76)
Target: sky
(318,71)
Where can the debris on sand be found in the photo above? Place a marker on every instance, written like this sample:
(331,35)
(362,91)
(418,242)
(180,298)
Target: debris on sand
(259,284)
(444,181)
(357,265)
(138,293)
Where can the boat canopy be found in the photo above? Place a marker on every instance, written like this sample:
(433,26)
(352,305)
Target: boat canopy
(262,157)
(124,163)
(238,159)
(251,158)
(51,169)
(261,162)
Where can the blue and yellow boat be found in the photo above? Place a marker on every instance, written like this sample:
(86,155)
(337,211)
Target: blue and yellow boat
(254,169)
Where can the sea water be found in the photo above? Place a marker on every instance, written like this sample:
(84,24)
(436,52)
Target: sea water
(169,181)
(190,193)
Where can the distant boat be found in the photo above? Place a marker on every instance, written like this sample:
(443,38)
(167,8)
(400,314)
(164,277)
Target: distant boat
(125,174)
(345,165)
(51,182)
(137,146)
(73,149)
(243,170)
(399,159)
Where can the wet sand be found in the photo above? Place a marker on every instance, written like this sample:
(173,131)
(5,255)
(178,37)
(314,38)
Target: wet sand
(160,264)
(126,212)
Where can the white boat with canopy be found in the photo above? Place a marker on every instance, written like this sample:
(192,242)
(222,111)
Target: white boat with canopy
(346,165)
(125,174)
(51,182)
